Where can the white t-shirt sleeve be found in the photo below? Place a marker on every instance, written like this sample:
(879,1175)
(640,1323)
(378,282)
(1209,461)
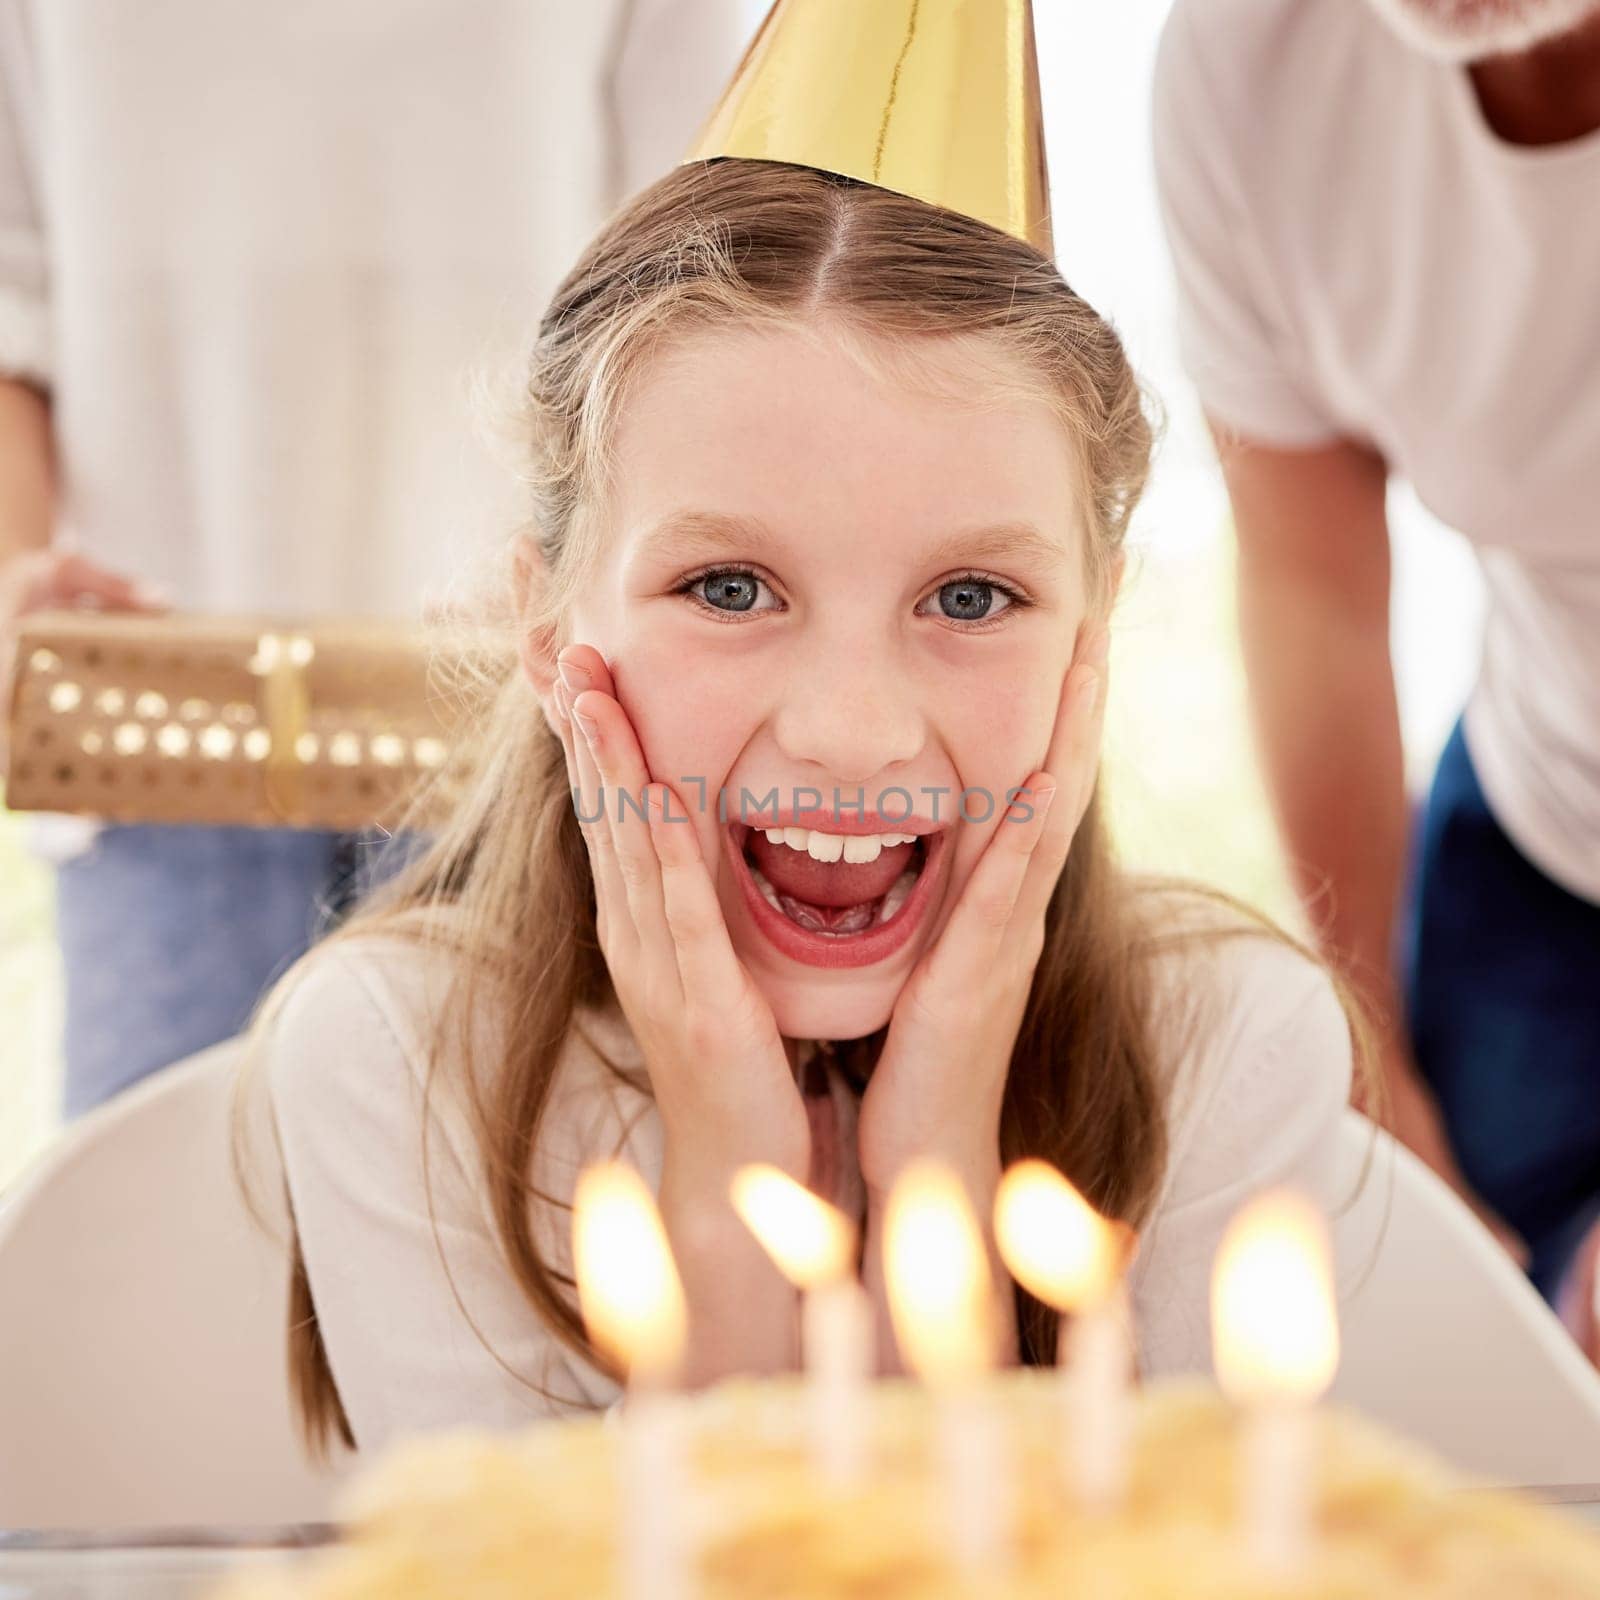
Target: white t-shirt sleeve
(25,346)
(1257,1101)
(410,1345)
(1234,329)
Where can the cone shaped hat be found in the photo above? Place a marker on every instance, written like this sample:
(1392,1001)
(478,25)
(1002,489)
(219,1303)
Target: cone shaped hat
(936,99)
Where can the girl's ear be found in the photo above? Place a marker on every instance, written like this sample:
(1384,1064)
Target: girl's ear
(536,647)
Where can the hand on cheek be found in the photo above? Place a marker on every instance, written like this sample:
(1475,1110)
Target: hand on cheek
(716,1059)
(717,1066)
(938,1086)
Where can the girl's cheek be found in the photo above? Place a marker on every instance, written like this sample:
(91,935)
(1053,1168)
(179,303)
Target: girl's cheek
(1005,725)
(688,721)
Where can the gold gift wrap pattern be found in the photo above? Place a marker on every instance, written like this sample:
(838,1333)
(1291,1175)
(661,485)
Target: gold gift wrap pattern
(241,720)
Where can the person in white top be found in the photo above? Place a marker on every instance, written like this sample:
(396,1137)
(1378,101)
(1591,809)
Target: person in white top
(778,838)
(252,261)
(1385,222)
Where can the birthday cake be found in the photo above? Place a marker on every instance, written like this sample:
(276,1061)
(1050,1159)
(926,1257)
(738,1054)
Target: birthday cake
(468,1515)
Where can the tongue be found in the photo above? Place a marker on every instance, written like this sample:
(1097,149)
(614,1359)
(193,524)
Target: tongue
(828,884)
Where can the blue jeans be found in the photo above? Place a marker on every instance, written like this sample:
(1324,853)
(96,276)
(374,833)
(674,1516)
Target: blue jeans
(1502,984)
(171,932)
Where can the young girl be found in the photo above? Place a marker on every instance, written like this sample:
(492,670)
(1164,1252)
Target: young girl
(829,492)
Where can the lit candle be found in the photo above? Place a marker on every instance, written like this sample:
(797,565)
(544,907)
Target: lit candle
(939,1289)
(633,1307)
(1276,1337)
(814,1246)
(1063,1252)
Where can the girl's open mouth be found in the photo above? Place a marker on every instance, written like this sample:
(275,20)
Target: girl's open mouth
(843,912)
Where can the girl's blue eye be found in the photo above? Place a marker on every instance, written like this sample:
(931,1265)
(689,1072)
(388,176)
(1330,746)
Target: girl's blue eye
(968,599)
(730,592)
(969,602)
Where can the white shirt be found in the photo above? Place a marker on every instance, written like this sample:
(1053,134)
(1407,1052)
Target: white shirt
(1256,1082)
(1360,256)
(257,252)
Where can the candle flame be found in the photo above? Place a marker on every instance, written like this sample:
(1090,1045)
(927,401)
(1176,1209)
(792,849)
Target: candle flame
(937,1275)
(1274,1324)
(628,1284)
(811,1241)
(1058,1247)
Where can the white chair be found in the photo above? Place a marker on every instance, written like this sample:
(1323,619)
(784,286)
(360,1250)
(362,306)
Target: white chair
(143,1374)
(1444,1339)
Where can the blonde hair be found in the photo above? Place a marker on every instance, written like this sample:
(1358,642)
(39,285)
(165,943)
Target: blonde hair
(737,244)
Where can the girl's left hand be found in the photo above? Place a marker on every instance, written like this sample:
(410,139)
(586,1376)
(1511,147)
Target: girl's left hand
(936,1089)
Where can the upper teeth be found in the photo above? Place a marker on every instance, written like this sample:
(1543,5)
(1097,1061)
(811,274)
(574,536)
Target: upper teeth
(855,848)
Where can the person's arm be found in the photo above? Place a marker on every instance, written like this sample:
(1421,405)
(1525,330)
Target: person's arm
(34,575)
(27,469)
(1313,590)
(1577,1292)
(1313,595)
(27,454)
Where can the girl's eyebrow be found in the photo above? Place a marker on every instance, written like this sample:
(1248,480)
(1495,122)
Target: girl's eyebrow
(687,535)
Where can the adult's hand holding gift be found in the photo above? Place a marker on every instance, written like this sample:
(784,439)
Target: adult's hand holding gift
(54,579)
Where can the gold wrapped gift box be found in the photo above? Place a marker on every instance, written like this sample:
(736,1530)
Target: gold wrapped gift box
(140,718)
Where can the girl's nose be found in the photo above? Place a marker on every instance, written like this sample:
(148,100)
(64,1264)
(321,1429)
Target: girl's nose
(849,713)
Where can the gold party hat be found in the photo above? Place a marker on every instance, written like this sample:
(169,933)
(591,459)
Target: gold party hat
(936,99)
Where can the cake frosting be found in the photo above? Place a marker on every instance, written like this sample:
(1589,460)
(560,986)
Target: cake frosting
(470,1514)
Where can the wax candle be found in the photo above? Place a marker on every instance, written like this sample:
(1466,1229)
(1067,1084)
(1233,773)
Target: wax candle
(1275,1333)
(814,1245)
(940,1300)
(633,1307)
(1063,1252)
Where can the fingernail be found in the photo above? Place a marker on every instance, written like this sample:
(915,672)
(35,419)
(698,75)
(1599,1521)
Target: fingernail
(152,594)
(1089,691)
(1042,801)
(576,678)
(587,723)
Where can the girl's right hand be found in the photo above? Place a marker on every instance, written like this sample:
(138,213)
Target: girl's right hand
(717,1064)
(716,1060)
